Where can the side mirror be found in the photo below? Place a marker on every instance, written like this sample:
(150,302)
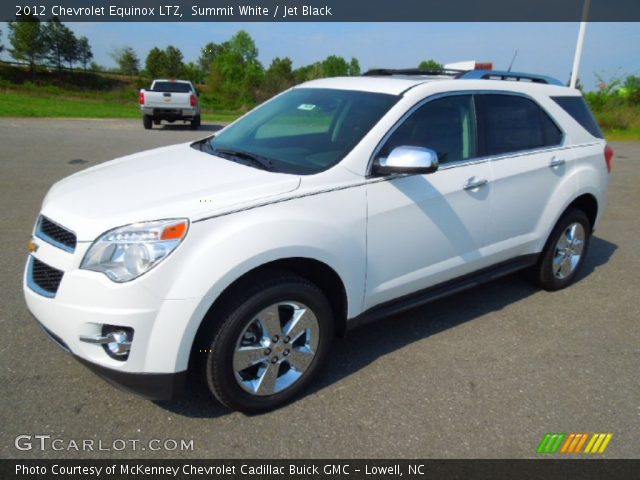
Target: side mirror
(407,160)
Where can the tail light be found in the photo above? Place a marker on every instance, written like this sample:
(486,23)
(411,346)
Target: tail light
(141,97)
(193,100)
(608,156)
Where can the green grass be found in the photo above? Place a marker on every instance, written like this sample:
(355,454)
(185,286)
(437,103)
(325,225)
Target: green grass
(89,105)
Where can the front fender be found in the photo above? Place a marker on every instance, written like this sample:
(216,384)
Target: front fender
(327,228)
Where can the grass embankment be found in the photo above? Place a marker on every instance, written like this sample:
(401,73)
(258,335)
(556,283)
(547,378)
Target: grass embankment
(78,94)
(94,105)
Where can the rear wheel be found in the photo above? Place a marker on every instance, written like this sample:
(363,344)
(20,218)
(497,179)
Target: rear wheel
(564,252)
(147,122)
(195,123)
(272,341)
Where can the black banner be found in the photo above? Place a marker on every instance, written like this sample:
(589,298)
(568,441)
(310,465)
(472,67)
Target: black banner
(322,10)
(547,469)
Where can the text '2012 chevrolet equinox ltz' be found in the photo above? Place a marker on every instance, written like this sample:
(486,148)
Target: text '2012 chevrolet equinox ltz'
(337,202)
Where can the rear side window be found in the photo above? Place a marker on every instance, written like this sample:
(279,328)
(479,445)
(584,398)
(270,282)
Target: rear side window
(510,123)
(578,109)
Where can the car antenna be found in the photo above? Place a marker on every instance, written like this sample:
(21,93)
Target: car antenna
(513,60)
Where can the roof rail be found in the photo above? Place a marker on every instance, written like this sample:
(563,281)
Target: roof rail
(412,71)
(512,76)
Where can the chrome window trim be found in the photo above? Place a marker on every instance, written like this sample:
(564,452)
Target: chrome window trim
(52,241)
(471,161)
(33,285)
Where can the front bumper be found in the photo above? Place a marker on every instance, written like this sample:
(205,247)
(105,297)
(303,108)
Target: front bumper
(152,386)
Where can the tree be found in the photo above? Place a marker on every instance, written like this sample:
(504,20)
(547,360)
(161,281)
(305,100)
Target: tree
(156,63)
(174,62)
(354,67)
(61,43)
(84,52)
(236,74)
(27,40)
(334,66)
(431,66)
(278,77)
(1,45)
(242,44)
(208,54)
(193,72)
(127,60)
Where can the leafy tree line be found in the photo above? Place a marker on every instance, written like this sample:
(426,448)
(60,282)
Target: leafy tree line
(234,76)
(52,42)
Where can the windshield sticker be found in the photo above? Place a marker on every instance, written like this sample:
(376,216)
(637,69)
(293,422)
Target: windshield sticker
(306,106)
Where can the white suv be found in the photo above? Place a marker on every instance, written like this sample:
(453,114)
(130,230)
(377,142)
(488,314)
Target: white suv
(338,202)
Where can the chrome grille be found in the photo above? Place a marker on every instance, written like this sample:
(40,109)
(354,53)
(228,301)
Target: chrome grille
(43,279)
(55,234)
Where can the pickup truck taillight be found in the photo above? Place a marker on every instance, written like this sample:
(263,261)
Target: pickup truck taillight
(608,156)
(141,97)
(193,100)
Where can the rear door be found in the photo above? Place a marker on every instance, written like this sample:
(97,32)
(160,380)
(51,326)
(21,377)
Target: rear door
(528,161)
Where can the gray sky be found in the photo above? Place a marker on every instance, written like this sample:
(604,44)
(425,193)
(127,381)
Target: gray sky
(611,49)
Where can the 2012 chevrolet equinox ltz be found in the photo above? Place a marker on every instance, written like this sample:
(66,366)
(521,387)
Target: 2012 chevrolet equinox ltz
(335,203)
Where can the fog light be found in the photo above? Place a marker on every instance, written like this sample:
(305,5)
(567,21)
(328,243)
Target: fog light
(115,340)
(119,341)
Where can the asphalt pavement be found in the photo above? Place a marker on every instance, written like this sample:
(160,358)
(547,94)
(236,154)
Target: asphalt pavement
(482,374)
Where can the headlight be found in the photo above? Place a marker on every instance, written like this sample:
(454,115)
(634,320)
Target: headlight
(125,253)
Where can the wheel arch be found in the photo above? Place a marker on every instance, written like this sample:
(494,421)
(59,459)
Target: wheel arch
(588,204)
(313,270)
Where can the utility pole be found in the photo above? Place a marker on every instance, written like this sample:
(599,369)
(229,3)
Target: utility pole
(578,55)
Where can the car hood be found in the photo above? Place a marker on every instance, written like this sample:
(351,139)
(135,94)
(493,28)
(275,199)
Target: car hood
(169,182)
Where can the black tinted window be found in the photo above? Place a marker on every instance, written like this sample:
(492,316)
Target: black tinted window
(445,125)
(577,108)
(173,87)
(510,123)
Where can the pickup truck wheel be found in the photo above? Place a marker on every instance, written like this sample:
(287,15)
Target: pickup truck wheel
(147,122)
(195,123)
(564,252)
(273,340)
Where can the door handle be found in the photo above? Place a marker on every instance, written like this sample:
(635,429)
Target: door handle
(475,184)
(556,162)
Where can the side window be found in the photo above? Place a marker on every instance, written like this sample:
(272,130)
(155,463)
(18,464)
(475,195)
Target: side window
(510,123)
(446,125)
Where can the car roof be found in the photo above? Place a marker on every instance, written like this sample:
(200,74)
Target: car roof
(399,84)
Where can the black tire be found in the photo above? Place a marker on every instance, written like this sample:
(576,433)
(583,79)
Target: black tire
(241,309)
(195,123)
(543,273)
(147,122)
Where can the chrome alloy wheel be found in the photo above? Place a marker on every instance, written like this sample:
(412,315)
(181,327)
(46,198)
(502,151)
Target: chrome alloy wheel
(568,250)
(275,348)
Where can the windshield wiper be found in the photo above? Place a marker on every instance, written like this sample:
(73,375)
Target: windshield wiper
(256,160)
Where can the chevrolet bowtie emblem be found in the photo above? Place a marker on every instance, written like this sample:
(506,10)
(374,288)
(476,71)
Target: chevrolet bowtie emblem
(32,246)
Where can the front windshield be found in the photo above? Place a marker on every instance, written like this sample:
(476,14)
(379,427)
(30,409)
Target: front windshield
(305,130)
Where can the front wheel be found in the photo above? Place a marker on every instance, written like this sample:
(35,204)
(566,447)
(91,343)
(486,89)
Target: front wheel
(564,251)
(273,339)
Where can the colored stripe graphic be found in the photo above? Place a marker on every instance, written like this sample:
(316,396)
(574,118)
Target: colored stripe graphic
(574,443)
(598,443)
(551,442)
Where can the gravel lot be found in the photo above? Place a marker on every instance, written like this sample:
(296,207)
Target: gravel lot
(485,373)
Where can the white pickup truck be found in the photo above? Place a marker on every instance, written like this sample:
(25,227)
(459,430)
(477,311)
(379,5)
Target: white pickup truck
(170,100)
